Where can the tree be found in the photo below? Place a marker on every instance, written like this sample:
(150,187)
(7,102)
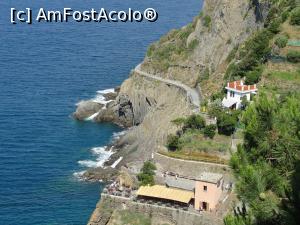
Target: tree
(149,168)
(146,176)
(237,220)
(274,26)
(244,102)
(226,124)
(253,77)
(173,142)
(207,21)
(281,41)
(210,131)
(215,108)
(293,56)
(267,165)
(194,122)
(295,16)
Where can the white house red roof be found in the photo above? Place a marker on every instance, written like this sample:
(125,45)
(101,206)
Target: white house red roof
(239,86)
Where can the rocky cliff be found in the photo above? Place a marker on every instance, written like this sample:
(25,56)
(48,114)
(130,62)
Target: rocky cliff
(198,51)
(194,55)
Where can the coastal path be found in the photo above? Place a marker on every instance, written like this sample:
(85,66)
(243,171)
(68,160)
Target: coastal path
(192,94)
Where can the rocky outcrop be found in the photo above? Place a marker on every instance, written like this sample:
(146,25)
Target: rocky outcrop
(100,174)
(154,105)
(119,111)
(86,109)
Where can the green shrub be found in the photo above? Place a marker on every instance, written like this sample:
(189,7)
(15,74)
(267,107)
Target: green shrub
(173,142)
(149,168)
(226,124)
(207,21)
(255,52)
(194,122)
(232,54)
(259,44)
(185,32)
(281,41)
(146,176)
(293,56)
(244,102)
(284,16)
(274,26)
(273,14)
(210,131)
(204,75)
(215,108)
(295,17)
(150,50)
(254,76)
(193,44)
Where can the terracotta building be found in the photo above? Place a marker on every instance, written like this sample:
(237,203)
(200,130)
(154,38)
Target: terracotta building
(208,190)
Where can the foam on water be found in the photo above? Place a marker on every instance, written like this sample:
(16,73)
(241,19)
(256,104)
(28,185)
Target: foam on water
(92,117)
(78,175)
(102,156)
(99,98)
(117,135)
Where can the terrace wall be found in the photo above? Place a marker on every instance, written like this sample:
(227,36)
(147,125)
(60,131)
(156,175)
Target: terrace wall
(155,212)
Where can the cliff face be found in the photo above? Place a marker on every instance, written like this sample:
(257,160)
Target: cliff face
(195,56)
(198,51)
(186,55)
(149,105)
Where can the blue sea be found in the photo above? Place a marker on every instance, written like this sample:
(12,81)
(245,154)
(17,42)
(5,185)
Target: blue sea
(45,69)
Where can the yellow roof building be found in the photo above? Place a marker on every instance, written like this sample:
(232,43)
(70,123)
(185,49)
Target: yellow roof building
(163,192)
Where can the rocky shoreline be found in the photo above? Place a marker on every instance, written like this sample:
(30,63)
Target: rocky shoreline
(146,104)
(102,113)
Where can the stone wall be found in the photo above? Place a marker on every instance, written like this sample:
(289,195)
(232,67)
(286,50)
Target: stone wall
(155,212)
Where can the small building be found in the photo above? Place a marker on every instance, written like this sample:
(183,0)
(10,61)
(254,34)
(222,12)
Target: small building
(165,194)
(208,190)
(236,90)
(203,192)
(180,183)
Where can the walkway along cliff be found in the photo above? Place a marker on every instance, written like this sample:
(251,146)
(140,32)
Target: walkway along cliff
(179,70)
(160,90)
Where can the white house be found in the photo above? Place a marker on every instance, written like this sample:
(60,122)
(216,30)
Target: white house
(236,90)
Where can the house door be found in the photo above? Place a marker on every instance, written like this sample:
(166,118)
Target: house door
(204,206)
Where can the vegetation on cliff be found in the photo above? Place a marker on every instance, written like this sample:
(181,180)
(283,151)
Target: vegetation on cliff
(146,176)
(172,47)
(248,60)
(195,140)
(266,166)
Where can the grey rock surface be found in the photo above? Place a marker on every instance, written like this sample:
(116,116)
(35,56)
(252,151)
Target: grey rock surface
(86,108)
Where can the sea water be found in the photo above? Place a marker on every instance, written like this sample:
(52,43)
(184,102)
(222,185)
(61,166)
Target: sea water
(45,69)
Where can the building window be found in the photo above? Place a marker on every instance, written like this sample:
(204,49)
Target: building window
(232,94)
(204,188)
